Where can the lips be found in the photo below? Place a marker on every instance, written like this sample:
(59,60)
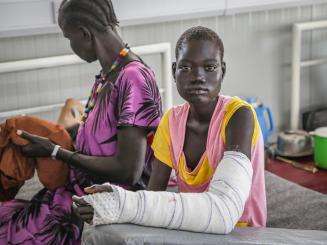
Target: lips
(197,91)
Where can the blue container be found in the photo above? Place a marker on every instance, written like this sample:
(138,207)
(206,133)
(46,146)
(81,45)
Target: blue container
(265,118)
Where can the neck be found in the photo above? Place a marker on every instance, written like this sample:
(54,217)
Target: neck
(108,46)
(203,112)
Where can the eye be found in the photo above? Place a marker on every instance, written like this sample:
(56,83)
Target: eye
(184,68)
(211,68)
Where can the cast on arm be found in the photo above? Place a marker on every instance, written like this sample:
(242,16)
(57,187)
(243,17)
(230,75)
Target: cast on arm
(215,211)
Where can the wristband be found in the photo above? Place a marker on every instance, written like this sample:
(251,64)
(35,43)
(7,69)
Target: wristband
(55,151)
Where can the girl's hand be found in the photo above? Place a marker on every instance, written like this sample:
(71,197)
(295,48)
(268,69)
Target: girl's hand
(38,146)
(98,189)
(84,210)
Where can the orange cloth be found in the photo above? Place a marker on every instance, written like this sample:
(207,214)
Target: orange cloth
(15,168)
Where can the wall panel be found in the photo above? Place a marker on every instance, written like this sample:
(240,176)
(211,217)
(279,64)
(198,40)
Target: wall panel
(258,55)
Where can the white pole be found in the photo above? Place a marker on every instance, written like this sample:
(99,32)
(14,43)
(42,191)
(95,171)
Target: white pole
(296,74)
(34,64)
(41,63)
(34,110)
(63,60)
(39,109)
(315,62)
(297,64)
(167,78)
(312,25)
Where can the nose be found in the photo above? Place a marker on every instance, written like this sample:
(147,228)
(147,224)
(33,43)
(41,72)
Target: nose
(199,74)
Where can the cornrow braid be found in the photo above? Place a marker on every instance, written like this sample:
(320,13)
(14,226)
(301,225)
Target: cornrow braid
(98,14)
(111,16)
(199,33)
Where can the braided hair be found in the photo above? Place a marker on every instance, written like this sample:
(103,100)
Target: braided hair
(200,33)
(97,14)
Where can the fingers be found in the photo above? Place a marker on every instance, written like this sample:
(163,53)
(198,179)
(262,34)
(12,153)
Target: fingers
(94,189)
(79,201)
(98,189)
(84,210)
(87,218)
(85,213)
(26,135)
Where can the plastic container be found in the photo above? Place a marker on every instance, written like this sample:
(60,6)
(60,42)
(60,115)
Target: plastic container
(320,147)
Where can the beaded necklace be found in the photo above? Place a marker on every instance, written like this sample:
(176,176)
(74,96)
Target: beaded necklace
(102,81)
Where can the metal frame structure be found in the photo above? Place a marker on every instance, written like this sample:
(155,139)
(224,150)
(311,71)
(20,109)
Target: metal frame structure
(297,64)
(42,63)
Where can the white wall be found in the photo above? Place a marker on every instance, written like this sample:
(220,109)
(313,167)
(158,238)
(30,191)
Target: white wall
(258,56)
(32,17)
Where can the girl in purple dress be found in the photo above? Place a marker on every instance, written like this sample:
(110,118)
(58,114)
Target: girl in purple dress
(112,144)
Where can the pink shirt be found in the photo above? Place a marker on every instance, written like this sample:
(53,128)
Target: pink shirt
(255,212)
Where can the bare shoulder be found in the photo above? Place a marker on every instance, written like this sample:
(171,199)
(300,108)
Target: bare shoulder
(239,131)
(242,117)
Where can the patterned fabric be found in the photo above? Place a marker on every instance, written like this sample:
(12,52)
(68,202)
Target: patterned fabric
(132,100)
(168,148)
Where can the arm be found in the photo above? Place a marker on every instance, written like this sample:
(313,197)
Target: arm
(215,211)
(239,131)
(125,167)
(159,176)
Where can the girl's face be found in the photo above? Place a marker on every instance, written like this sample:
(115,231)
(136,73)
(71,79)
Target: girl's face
(81,42)
(199,71)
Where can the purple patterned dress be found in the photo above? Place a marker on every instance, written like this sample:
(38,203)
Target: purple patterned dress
(133,100)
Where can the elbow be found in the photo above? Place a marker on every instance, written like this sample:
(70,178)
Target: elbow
(132,176)
(132,179)
(130,168)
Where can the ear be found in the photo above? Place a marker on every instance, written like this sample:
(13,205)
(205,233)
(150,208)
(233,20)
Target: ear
(223,68)
(86,34)
(173,67)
